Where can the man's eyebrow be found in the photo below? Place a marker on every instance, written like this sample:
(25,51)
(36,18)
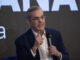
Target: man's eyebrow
(40,16)
(36,17)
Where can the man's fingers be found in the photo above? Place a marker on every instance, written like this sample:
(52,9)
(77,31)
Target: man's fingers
(38,32)
(38,35)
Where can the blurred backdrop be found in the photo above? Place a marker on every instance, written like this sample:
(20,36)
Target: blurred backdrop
(63,15)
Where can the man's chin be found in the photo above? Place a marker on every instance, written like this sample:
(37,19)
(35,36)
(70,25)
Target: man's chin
(41,29)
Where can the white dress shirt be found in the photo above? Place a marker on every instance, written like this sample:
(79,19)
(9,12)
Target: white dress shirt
(43,48)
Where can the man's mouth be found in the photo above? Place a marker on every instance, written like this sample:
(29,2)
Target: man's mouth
(40,25)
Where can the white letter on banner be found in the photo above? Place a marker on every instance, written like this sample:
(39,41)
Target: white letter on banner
(2,32)
(44,4)
(26,5)
(58,3)
(13,3)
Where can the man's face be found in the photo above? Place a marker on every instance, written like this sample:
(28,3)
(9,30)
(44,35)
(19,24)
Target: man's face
(37,21)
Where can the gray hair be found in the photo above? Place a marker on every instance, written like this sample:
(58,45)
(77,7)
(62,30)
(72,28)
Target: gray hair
(33,8)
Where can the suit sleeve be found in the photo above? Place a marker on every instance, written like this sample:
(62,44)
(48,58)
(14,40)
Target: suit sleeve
(60,46)
(23,52)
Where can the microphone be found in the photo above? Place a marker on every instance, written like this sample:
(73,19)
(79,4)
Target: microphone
(49,42)
(49,39)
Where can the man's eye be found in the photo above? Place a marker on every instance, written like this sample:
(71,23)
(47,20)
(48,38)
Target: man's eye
(36,18)
(42,17)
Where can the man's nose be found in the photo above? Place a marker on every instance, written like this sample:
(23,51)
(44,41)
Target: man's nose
(40,19)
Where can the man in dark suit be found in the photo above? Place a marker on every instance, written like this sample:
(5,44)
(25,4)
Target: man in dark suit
(33,45)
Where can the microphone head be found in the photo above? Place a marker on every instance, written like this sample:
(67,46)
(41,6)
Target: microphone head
(49,35)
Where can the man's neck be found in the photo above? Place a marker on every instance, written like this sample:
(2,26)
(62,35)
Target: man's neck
(41,32)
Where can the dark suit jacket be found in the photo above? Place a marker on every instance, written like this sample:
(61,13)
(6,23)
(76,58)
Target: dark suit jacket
(25,42)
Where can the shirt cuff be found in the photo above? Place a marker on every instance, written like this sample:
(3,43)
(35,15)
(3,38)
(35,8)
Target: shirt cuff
(34,54)
(61,57)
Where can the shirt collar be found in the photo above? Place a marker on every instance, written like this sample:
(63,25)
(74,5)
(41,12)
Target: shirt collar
(35,33)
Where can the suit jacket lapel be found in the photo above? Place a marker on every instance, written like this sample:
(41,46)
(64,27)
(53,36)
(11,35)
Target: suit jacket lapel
(31,39)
